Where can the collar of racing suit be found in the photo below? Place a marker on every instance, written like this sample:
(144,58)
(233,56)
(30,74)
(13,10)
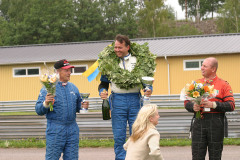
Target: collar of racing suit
(211,80)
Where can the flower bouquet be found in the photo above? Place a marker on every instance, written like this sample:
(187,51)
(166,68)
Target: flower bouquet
(50,81)
(197,91)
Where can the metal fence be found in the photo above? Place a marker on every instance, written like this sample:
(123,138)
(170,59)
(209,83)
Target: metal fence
(173,123)
(96,103)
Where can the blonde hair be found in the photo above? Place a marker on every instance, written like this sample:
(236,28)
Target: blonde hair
(142,122)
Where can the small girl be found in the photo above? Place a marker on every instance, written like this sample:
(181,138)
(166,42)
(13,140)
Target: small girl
(143,144)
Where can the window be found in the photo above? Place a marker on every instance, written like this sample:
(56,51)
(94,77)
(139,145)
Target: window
(79,69)
(192,64)
(25,72)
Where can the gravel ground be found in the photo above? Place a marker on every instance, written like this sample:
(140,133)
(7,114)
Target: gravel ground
(169,153)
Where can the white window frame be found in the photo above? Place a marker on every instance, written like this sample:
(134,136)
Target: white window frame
(79,66)
(26,68)
(193,60)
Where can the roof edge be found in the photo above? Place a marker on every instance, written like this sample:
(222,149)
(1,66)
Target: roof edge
(190,36)
(136,39)
(34,62)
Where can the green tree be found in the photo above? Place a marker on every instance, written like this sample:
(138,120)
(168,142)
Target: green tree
(12,12)
(206,7)
(128,23)
(89,20)
(119,17)
(212,6)
(2,30)
(228,21)
(57,21)
(38,21)
(49,22)
(153,17)
(182,30)
(111,10)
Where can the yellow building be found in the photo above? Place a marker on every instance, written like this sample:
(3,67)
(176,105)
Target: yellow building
(178,62)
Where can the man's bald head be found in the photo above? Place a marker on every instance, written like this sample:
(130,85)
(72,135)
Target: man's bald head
(213,62)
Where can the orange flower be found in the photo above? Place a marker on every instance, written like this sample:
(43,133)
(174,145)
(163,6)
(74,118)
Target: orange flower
(191,87)
(206,89)
(196,94)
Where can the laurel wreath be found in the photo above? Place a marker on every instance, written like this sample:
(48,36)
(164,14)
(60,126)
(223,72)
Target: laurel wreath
(109,65)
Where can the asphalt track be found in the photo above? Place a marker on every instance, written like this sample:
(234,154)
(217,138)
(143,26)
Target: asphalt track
(169,153)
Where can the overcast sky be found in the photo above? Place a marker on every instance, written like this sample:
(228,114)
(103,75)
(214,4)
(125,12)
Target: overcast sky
(177,8)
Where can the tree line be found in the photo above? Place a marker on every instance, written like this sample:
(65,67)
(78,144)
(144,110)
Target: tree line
(57,21)
(228,12)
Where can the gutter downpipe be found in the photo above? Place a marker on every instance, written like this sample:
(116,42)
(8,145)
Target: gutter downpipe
(169,86)
(46,67)
(45,64)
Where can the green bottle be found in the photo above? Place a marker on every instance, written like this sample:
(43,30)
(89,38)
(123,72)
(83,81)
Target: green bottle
(106,112)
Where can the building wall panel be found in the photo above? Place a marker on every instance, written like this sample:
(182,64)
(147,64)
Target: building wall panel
(27,88)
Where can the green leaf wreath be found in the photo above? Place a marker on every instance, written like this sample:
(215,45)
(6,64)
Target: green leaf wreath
(109,65)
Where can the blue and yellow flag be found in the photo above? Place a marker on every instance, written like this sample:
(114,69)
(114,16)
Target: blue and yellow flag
(92,72)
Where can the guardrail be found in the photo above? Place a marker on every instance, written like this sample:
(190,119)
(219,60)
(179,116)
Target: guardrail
(29,106)
(173,123)
(96,103)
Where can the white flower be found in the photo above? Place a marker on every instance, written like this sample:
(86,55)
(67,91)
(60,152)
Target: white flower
(44,78)
(199,85)
(53,78)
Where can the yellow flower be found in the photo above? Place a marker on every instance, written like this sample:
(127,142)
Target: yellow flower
(211,89)
(196,94)
(44,78)
(53,78)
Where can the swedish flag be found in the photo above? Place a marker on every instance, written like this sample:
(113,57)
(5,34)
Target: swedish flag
(92,72)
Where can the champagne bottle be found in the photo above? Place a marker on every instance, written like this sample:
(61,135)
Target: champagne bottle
(106,112)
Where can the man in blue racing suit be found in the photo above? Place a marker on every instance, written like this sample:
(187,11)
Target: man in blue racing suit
(62,133)
(125,103)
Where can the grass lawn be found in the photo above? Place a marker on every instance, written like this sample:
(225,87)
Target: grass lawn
(40,143)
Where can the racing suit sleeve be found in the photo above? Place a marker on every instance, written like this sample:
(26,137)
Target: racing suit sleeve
(104,84)
(79,100)
(39,108)
(228,103)
(188,105)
